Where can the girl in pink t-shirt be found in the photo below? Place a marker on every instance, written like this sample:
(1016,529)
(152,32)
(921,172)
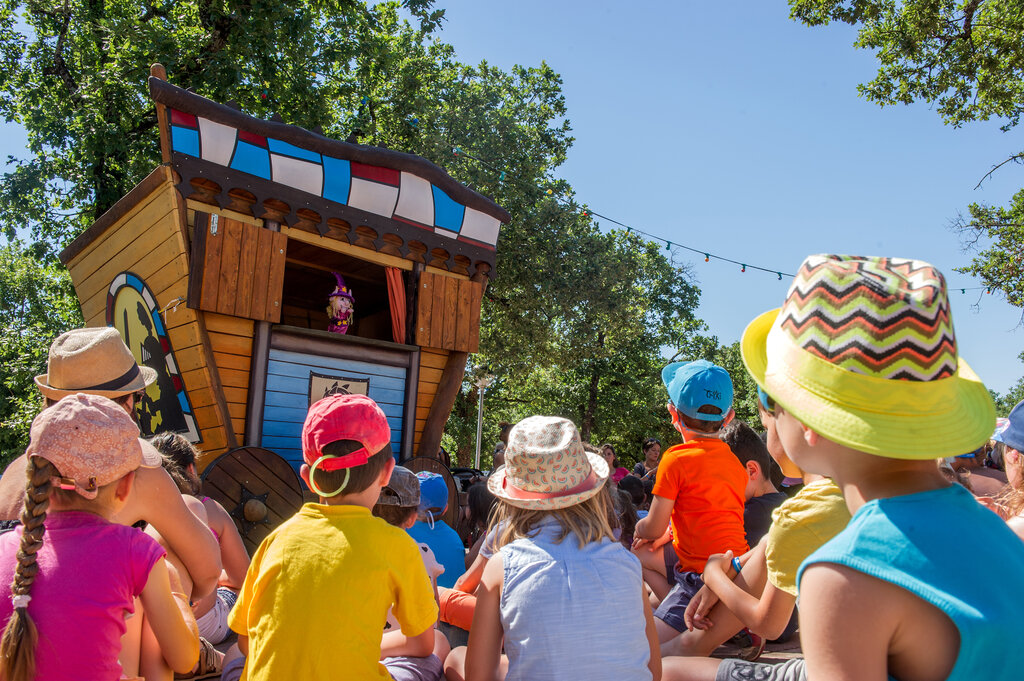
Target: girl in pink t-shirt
(70,594)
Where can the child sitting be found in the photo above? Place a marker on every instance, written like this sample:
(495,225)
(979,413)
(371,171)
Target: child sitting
(398,504)
(560,583)
(73,573)
(861,361)
(179,459)
(700,486)
(763,598)
(1011,439)
(762,496)
(317,593)
(431,530)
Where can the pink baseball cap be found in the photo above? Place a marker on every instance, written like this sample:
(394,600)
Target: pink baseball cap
(91,440)
(344,417)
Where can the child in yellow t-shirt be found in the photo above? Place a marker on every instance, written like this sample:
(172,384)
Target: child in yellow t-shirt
(317,593)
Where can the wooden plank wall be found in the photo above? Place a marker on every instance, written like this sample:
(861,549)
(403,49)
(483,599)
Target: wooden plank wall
(231,341)
(431,365)
(148,241)
(448,312)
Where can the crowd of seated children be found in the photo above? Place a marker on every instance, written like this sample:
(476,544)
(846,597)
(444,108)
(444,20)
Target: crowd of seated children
(398,504)
(315,599)
(885,597)
(558,564)
(700,487)
(74,574)
(480,504)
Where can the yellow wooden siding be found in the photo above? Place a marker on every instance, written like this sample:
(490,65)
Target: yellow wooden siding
(148,241)
(431,364)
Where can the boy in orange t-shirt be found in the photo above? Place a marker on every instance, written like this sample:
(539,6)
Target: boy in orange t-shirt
(700,487)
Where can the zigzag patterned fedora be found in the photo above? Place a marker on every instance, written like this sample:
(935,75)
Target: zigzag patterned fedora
(863,352)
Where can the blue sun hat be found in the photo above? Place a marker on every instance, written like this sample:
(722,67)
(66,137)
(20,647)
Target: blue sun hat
(692,385)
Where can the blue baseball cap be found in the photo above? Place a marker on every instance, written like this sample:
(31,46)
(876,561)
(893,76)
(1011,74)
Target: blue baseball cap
(1012,435)
(691,385)
(433,492)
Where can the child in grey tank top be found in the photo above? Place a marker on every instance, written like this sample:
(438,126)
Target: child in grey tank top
(566,599)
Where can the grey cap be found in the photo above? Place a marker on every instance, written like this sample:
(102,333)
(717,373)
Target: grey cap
(402,490)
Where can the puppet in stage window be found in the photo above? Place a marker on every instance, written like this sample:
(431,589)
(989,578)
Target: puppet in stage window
(340,307)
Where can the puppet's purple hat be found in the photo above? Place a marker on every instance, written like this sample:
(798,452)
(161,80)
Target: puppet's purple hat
(341,289)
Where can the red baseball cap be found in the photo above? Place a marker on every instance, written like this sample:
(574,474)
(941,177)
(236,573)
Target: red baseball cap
(344,417)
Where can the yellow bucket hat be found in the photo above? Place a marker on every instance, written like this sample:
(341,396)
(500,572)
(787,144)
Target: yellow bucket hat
(863,352)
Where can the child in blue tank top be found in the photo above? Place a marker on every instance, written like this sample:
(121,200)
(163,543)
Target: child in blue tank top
(862,364)
(566,598)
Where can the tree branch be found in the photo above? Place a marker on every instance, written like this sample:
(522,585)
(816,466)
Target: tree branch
(1016,158)
(60,67)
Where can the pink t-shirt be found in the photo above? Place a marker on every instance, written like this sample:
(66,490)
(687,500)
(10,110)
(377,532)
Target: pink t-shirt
(90,571)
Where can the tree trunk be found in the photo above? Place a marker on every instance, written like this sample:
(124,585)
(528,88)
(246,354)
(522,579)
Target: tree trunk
(587,422)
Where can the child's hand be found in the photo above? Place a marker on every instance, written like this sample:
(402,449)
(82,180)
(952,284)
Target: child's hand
(663,539)
(696,612)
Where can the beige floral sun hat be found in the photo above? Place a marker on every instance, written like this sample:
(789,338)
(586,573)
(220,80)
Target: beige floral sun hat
(546,467)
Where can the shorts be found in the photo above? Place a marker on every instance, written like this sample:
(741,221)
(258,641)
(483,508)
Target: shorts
(414,668)
(233,670)
(213,626)
(674,605)
(741,670)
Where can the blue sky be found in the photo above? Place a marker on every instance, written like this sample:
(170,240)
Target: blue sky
(727,127)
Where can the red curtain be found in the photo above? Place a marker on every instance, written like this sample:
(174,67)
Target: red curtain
(396,297)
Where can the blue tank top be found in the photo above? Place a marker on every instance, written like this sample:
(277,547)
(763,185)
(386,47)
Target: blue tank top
(932,544)
(572,613)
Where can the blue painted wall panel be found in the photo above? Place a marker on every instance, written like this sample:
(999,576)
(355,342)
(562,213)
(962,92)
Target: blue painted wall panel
(286,399)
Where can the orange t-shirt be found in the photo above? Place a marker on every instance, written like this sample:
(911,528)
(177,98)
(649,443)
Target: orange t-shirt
(706,484)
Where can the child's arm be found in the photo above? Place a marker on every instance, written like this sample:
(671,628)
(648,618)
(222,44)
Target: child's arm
(233,555)
(171,619)
(655,525)
(470,579)
(652,638)
(485,637)
(396,644)
(767,615)
(156,499)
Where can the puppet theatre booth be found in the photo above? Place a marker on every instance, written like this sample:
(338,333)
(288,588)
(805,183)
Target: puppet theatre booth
(262,267)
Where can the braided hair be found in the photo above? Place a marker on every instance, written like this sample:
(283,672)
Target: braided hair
(18,644)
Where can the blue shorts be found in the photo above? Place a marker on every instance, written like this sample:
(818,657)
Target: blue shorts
(673,607)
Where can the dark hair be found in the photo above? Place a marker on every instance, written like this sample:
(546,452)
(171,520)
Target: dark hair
(746,445)
(178,455)
(505,429)
(703,426)
(480,503)
(648,443)
(648,491)
(632,486)
(615,458)
(393,515)
(359,477)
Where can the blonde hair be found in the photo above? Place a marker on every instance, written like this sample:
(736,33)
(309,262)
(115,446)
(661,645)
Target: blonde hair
(588,520)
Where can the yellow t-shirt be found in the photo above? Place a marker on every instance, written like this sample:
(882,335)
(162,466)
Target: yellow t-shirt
(317,593)
(800,526)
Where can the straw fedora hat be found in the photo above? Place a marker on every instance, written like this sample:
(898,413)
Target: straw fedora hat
(94,361)
(546,467)
(863,352)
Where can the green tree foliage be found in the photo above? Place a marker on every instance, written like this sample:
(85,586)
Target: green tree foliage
(966,57)
(574,321)
(37,304)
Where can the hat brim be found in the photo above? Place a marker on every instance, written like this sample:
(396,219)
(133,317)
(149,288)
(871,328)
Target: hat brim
(141,382)
(151,456)
(498,487)
(914,420)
